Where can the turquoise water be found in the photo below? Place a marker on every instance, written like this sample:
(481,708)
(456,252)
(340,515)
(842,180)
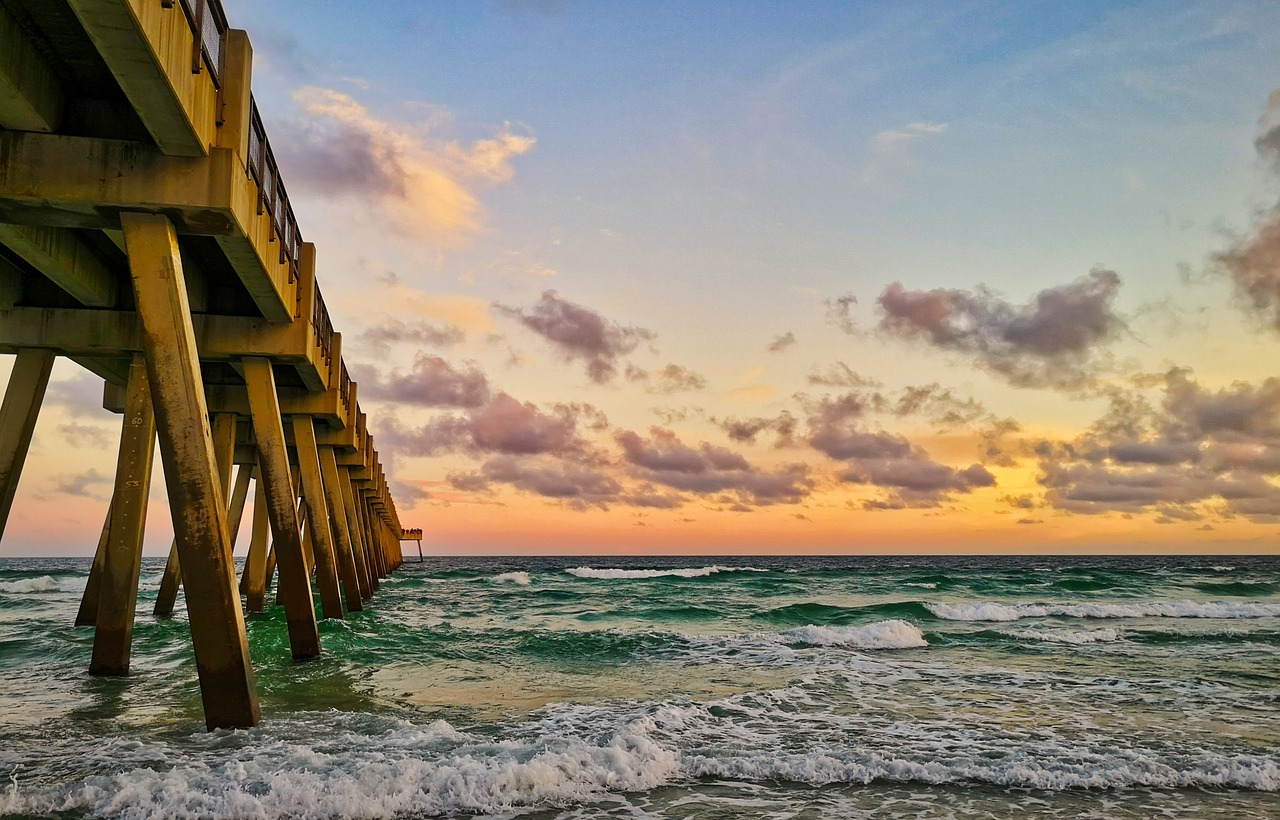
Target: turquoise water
(679,688)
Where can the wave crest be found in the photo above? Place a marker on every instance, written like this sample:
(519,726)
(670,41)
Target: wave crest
(995,611)
(631,574)
(895,634)
(520,579)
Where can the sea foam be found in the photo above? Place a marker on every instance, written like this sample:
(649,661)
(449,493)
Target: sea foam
(1069,636)
(44,583)
(995,611)
(689,572)
(895,634)
(520,579)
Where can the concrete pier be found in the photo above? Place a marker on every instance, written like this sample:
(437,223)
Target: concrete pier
(152,242)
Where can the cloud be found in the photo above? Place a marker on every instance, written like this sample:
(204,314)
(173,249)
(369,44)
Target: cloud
(82,484)
(423,184)
(85,436)
(1050,342)
(662,458)
(782,342)
(546,477)
(839,313)
(390,332)
(503,425)
(431,382)
(666,380)
(841,375)
(782,425)
(889,151)
(1253,261)
(1199,448)
(882,459)
(580,334)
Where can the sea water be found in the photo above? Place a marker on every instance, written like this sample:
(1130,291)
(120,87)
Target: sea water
(679,688)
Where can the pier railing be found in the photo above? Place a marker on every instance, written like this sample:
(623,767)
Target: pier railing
(272,197)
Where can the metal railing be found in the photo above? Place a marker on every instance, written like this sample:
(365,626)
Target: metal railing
(209,29)
(272,197)
(344,386)
(323,326)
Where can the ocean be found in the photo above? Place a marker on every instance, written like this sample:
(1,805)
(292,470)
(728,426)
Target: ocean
(749,687)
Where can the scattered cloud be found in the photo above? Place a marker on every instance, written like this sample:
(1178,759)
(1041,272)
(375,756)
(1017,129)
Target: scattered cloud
(666,380)
(1253,261)
(889,151)
(580,334)
(662,458)
(782,342)
(424,184)
(431,382)
(1199,450)
(388,332)
(1053,341)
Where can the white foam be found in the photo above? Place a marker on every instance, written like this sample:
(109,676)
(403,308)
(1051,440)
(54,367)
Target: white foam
(895,634)
(1222,568)
(921,584)
(1070,636)
(686,572)
(994,611)
(520,579)
(45,583)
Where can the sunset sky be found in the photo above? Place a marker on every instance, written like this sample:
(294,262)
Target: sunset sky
(777,277)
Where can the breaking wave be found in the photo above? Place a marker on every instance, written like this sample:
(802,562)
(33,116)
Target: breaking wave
(993,611)
(688,572)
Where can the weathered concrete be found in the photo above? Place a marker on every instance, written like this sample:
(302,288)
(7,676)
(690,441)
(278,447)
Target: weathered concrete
(113,637)
(341,530)
(273,467)
(87,615)
(254,582)
(191,473)
(64,260)
(318,527)
(31,97)
(148,48)
(18,414)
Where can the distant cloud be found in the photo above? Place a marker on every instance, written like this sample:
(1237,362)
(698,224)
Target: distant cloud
(782,425)
(431,382)
(1253,262)
(662,458)
(425,185)
(580,334)
(390,332)
(83,484)
(839,313)
(889,151)
(666,380)
(840,375)
(503,425)
(1050,342)
(885,460)
(782,342)
(1199,450)
(549,478)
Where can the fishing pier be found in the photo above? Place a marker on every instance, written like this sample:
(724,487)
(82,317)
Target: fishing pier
(146,235)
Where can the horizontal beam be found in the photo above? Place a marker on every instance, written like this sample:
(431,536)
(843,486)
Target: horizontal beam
(117,334)
(58,181)
(64,260)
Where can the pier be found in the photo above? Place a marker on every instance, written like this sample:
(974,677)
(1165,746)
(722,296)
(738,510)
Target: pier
(146,235)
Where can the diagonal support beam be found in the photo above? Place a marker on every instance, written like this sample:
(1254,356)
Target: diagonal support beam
(282,511)
(341,530)
(196,500)
(318,527)
(122,560)
(18,414)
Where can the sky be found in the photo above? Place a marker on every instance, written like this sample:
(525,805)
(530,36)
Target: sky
(710,277)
